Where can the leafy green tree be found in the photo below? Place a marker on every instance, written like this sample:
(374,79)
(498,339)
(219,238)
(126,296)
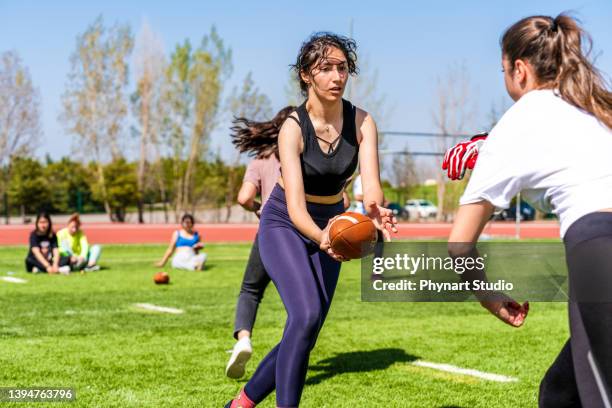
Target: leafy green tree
(28,188)
(71,189)
(95,100)
(195,79)
(121,187)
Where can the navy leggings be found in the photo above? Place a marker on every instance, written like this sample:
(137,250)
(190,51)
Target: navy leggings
(581,375)
(305,278)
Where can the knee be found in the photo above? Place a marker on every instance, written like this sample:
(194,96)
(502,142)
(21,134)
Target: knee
(307,324)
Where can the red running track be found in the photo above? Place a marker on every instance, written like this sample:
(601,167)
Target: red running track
(160,233)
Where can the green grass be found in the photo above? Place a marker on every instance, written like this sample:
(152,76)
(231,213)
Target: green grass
(82,331)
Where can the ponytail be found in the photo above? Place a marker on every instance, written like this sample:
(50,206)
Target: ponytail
(259,139)
(554,48)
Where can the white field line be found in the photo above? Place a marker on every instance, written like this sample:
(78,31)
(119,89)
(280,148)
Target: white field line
(13,280)
(161,309)
(465,371)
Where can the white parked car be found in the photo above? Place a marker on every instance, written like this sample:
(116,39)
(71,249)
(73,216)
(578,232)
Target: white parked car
(418,208)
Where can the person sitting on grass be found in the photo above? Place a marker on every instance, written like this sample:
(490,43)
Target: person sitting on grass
(74,245)
(44,255)
(186,243)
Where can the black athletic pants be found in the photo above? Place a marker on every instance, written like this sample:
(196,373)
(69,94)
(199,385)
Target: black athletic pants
(31,262)
(581,375)
(254,284)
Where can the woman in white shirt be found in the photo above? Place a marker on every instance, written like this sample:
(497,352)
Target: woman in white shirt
(554,145)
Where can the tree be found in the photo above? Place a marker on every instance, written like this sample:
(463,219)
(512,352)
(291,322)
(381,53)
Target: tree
(19,109)
(71,190)
(28,188)
(148,107)
(249,103)
(94,101)
(19,114)
(451,115)
(121,189)
(194,83)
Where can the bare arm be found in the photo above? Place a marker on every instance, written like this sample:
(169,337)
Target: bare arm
(373,198)
(56,258)
(290,146)
(368,158)
(469,223)
(169,251)
(246,197)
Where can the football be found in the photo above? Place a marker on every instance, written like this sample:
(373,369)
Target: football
(352,235)
(161,278)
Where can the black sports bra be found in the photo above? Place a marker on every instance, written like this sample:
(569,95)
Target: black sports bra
(326,173)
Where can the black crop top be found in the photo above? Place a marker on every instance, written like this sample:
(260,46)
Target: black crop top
(326,173)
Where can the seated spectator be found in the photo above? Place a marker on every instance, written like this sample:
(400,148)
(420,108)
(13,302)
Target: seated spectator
(44,255)
(74,245)
(186,243)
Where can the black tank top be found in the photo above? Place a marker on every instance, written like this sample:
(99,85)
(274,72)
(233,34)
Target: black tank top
(325,172)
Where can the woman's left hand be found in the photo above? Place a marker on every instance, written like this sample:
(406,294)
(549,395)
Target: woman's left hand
(382,218)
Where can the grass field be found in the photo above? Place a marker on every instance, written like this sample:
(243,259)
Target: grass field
(83,331)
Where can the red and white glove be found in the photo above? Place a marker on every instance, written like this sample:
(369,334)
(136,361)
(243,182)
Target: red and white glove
(463,156)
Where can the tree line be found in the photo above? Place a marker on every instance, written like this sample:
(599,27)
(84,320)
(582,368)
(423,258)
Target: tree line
(166,117)
(66,186)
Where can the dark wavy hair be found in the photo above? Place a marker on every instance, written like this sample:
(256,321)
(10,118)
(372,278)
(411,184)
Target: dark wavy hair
(558,49)
(259,139)
(315,50)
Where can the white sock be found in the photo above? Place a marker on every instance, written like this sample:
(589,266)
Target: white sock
(244,342)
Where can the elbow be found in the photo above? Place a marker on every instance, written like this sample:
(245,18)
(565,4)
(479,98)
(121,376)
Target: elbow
(245,201)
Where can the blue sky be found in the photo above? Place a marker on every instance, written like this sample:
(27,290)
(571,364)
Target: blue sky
(410,43)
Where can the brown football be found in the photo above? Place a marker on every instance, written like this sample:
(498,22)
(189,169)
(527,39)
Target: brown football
(161,278)
(352,235)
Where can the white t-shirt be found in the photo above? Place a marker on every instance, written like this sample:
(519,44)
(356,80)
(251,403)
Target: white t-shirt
(557,155)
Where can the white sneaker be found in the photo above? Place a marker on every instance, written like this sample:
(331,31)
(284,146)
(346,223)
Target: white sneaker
(64,270)
(240,355)
(92,268)
(35,270)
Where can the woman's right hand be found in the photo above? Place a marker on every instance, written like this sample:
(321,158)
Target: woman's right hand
(325,244)
(506,309)
(160,264)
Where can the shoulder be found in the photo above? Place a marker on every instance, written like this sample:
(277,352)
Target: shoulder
(362,117)
(291,123)
(290,131)
(63,232)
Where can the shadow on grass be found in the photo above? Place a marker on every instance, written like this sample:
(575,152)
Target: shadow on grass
(357,362)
